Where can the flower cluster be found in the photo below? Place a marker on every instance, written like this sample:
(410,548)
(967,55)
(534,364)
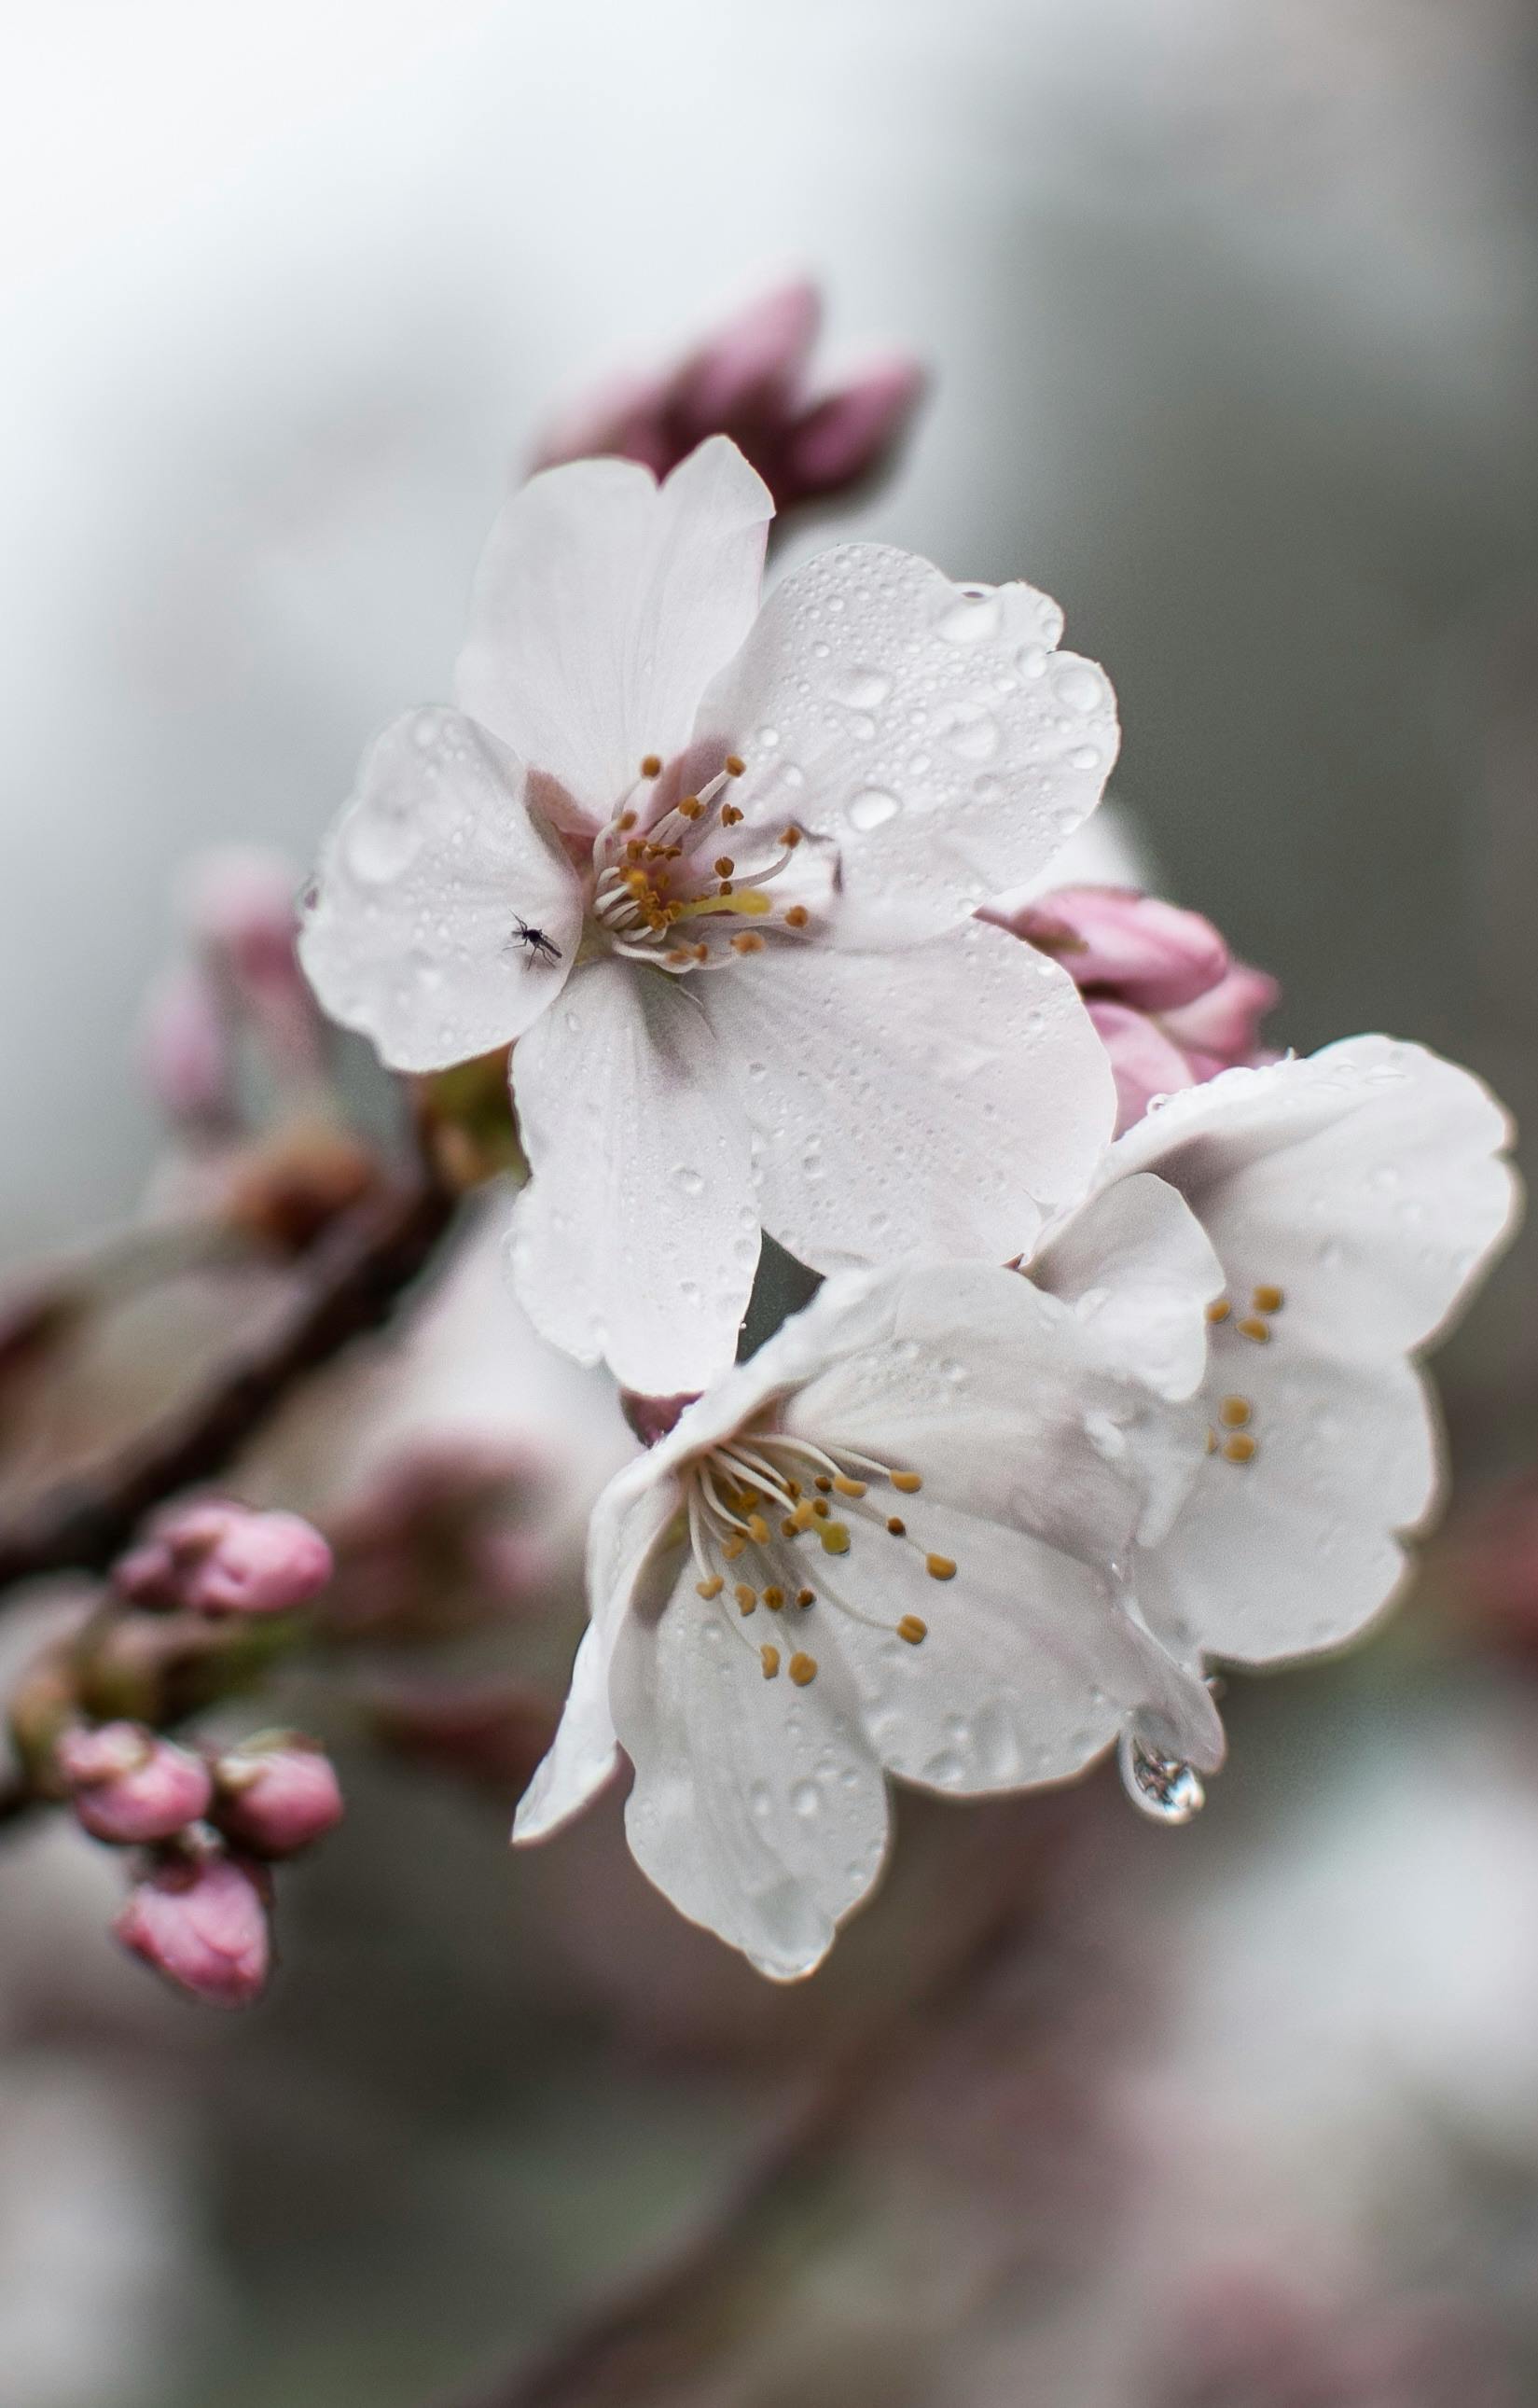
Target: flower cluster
(1111,1377)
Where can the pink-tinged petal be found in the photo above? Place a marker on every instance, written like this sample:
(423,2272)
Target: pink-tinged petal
(636,1240)
(1145,1063)
(278,1798)
(939,1099)
(203,1925)
(851,434)
(411,932)
(748,369)
(932,730)
(1223,1025)
(603,605)
(219,1558)
(1130,947)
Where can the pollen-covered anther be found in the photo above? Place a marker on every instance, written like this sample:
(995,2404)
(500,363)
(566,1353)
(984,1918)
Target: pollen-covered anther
(835,1538)
(711,1587)
(758,1529)
(896,1525)
(769,1660)
(735,765)
(939,1568)
(652,766)
(731,816)
(797,916)
(1240,1448)
(1234,1412)
(847,1487)
(790,838)
(1254,1328)
(1220,1309)
(725,865)
(774,1599)
(690,808)
(802,1668)
(912,1629)
(747,1598)
(805,1597)
(908,1483)
(749,941)
(1267,1299)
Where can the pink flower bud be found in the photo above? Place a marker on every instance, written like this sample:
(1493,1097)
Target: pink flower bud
(1224,1023)
(227,1558)
(747,372)
(238,904)
(277,1796)
(202,1922)
(1145,1062)
(130,1786)
(184,1053)
(850,436)
(1130,947)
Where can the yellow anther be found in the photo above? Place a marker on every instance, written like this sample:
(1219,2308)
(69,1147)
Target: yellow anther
(896,1525)
(725,865)
(1233,1413)
(821,1507)
(822,1483)
(691,808)
(1220,1311)
(758,1529)
(797,916)
(725,886)
(733,1547)
(939,1568)
(729,815)
(804,1515)
(1253,1327)
(907,1482)
(792,1488)
(789,1528)
(652,766)
(747,1598)
(802,1668)
(627,821)
(677,956)
(1268,1299)
(1240,1448)
(748,942)
(774,1599)
(711,1587)
(805,1597)
(769,1658)
(912,1629)
(701,952)
(834,1537)
(735,765)
(790,837)
(848,1487)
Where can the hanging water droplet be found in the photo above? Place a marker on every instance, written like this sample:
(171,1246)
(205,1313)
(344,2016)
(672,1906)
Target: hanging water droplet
(872,807)
(1160,1786)
(973,616)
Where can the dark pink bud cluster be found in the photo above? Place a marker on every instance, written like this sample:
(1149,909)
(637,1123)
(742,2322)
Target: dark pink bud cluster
(750,380)
(276,1795)
(130,1786)
(223,1558)
(1171,1005)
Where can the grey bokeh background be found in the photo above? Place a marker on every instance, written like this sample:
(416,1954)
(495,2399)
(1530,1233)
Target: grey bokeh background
(1231,312)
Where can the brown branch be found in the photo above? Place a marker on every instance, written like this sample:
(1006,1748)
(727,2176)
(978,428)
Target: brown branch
(644,2342)
(350,1282)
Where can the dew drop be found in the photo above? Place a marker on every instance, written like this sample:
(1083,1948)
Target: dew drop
(689,1181)
(872,807)
(1160,1786)
(806,1801)
(971,618)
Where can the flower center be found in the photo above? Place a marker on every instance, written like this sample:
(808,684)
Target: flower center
(1233,1435)
(760,1502)
(669,894)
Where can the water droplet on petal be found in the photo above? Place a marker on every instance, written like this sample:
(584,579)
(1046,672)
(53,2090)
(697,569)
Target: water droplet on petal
(689,1181)
(1160,1786)
(872,807)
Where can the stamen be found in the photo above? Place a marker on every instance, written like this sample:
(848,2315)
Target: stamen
(748,942)
(805,1597)
(1220,1311)
(802,1668)
(652,766)
(747,1598)
(1233,1413)
(769,1658)
(735,765)
(797,916)
(848,1487)
(939,1568)
(725,865)
(791,838)
(774,1599)
(896,1525)
(836,1540)
(909,1482)
(1240,1448)
(1268,1299)
(711,1586)
(912,1629)
(1253,1327)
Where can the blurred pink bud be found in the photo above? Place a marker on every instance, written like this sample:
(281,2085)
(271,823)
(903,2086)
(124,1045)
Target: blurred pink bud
(652,1417)
(183,1052)
(1123,944)
(227,1558)
(202,1922)
(1145,1063)
(277,1796)
(850,436)
(238,904)
(130,1786)
(492,1736)
(748,379)
(1224,1024)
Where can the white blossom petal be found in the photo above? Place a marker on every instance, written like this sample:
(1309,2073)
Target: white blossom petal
(604,605)
(638,1237)
(1134,1262)
(933,729)
(936,1100)
(758,1808)
(410,932)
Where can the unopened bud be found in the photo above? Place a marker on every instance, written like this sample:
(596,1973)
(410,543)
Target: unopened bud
(276,1795)
(130,1786)
(184,1053)
(1223,1025)
(238,904)
(201,1921)
(850,436)
(1145,1063)
(225,1559)
(1132,948)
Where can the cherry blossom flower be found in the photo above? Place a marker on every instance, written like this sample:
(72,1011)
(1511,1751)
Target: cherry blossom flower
(714,869)
(894,1541)
(1353,1199)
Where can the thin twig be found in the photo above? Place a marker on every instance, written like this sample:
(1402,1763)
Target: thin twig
(350,1282)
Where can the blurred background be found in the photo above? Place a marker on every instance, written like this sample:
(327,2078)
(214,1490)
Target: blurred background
(1232,318)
